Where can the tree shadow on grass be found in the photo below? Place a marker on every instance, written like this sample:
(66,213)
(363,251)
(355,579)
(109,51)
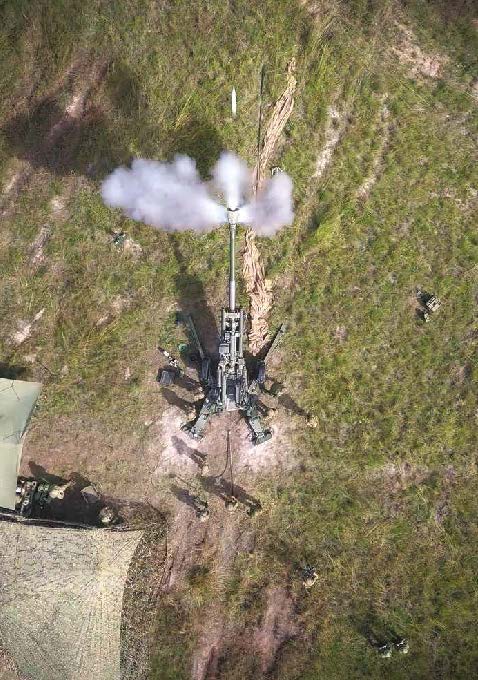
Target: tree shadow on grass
(192,300)
(49,138)
(12,371)
(197,139)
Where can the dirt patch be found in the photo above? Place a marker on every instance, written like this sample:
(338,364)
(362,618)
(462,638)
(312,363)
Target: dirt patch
(409,53)
(179,453)
(333,132)
(16,181)
(79,101)
(340,334)
(206,656)
(474,89)
(383,134)
(401,477)
(54,145)
(118,305)
(53,141)
(397,479)
(25,328)
(37,256)
(57,204)
(277,625)
(275,455)
(132,248)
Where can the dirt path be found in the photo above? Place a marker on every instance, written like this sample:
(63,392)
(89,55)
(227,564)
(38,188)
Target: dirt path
(258,288)
(181,470)
(277,625)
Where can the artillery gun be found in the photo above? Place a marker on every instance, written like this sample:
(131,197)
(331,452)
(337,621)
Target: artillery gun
(226,381)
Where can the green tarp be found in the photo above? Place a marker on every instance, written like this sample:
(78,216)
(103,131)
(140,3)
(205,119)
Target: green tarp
(17,400)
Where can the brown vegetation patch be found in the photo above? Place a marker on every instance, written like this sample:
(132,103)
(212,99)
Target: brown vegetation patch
(281,113)
(8,669)
(258,288)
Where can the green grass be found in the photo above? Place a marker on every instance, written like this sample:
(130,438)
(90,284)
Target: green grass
(388,394)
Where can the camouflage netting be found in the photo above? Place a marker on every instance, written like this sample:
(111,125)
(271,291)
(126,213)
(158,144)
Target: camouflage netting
(61,598)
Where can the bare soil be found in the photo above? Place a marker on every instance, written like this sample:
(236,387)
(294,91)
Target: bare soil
(419,63)
(277,625)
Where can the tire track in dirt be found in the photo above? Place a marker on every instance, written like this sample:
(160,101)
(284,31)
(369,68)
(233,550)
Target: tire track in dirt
(383,133)
(334,130)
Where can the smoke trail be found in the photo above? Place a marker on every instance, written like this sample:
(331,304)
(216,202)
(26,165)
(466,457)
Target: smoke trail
(233,178)
(166,195)
(271,208)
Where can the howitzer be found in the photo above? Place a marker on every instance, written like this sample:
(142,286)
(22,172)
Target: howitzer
(228,387)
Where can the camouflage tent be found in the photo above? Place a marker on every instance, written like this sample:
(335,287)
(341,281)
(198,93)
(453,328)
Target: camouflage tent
(61,598)
(17,400)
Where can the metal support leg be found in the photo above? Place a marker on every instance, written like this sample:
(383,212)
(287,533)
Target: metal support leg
(196,430)
(260,434)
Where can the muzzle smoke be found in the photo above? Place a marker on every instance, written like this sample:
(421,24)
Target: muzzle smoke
(171,196)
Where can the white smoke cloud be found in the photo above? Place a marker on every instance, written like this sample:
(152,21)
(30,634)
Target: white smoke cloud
(172,196)
(233,178)
(169,196)
(271,208)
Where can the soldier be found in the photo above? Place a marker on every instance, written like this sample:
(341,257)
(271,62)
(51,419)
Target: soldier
(309,576)
(231,502)
(254,508)
(385,650)
(57,492)
(401,645)
(107,516)
(201,507)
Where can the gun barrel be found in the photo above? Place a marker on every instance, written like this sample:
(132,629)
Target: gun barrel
(232,219)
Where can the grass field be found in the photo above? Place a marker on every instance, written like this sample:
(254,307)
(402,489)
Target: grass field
(382,498)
